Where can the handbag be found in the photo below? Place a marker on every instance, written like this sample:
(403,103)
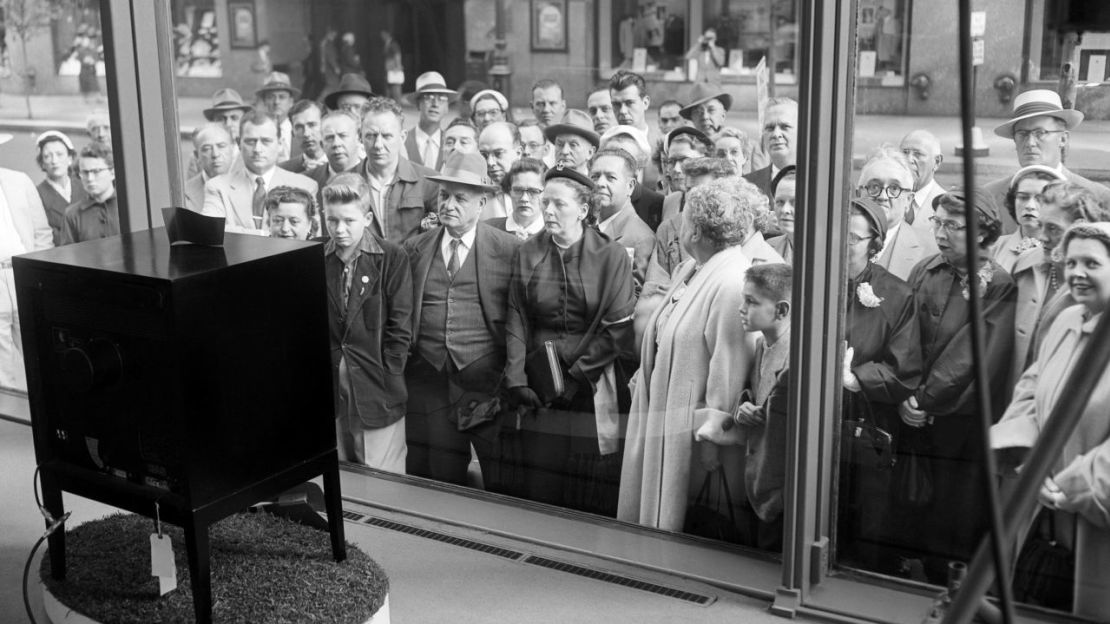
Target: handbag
(545,372)
(707,520)
(1045,570)
(915,479)
(863,442)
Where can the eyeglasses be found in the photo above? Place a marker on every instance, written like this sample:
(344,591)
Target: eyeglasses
(1039,134)
(855,239)
(874,189)
(947,225)
(90,173)
(520,191)
(1028,197)
(435,97)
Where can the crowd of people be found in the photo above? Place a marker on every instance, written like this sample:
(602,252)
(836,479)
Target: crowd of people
(596,309)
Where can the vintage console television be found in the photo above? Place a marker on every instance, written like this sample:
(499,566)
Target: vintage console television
(195,377)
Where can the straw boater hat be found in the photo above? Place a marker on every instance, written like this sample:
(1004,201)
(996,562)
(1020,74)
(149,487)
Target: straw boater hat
(501,101)
(574,122)
(225,100)
(1024,171)
(702,93)
(349,83)
(1037,103)
(430,82)
(278,81)
(465,169)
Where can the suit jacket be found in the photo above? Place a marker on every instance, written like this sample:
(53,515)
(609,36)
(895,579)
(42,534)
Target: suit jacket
(230,195)
(998,188)
(27,212)
(629,231)
(493,255)
(373,331)
(921,221)
(762,179)
(194,193)
(411,197)
(900,255)
(55,205)
(413,152)
(648,205)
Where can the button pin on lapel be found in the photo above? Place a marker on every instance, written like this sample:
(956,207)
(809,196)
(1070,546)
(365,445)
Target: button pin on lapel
(365,281)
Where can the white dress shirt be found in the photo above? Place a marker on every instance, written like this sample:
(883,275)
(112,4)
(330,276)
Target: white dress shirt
(464,248)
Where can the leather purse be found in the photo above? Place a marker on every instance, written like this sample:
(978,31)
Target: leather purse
(545,372)
(863,442)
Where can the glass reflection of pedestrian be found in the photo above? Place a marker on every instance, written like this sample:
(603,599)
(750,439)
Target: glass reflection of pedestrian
(394,66)
(313,71)
(86,77)
(329,60)
(349,60)
(709,56)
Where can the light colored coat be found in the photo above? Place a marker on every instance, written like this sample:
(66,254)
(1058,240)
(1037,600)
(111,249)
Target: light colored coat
(900,255)
(231,195)
(697,370)
(1083,469)
(27,211)
(1033,315)
(194,193)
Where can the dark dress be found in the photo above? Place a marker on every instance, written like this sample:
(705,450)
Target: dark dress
(581,299)
(55,205)
(886,340)
(951,523)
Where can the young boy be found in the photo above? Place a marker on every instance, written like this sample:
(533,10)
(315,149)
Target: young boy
(370,310)
(766,309)
(291,213)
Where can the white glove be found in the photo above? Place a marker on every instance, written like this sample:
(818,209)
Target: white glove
(910,414)
(851,382)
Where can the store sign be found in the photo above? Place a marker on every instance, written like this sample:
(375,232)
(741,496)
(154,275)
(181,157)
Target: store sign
(978,51)
(978,23)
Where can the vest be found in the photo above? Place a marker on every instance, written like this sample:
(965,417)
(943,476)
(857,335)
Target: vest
(451,319)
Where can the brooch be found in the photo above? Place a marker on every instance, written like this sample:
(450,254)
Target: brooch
(984,276)
(867,296)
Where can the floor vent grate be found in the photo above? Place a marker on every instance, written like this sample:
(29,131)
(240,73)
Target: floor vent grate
(624,581)
(353,517)
(441,537)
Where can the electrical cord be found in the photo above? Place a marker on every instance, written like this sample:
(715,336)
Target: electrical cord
(53,525)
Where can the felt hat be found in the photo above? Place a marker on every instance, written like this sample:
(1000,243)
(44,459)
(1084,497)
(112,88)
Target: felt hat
(349,83)
(278,81)
(1038,103)
(702,93)
(637,135)
(465,169)
(983,201)
(501,101)
(574,121)
(54,134)
(692,131)
(1025,171)
(874,214)
(430,82)
(559,171)
(225,100)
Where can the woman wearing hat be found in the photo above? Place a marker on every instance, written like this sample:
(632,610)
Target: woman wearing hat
(1023,203)
(59,189)
(571,289)
(882,367)
(488,106)
(943,407)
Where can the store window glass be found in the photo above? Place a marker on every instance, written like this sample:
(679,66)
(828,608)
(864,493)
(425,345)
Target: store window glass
(196,39)
(1070,41)
(752,31)
(646,36)
(882,41)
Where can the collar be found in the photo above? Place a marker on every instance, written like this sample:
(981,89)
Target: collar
(405,172)
(89,202)
(606,224)
(892,233)
(311,163)
(1089,322)
(66,192)
(267,177)
(368,244)
(422,136)
(467,239)
(512,226)
(925,192)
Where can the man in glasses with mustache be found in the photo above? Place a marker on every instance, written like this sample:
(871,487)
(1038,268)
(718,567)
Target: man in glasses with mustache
(887,179)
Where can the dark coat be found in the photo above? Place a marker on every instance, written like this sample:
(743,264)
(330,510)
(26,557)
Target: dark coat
(648,205)
(886,339)
(374,330)
(947,383)
(609,300)
(762,179)
(493,251)
(55,205)
(410,198)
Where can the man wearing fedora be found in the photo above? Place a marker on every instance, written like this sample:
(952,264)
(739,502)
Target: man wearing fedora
(574,140)
(432,98)
(227,109)
(1040,129)
(240,194)
(353,94)
(707,109)
(461,272)
(779,137)
(277,95)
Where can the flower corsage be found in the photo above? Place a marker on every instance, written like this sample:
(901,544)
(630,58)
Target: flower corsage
(867,296)
(985,274)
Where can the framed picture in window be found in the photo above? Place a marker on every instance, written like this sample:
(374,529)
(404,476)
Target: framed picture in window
(243,29)
(549,25)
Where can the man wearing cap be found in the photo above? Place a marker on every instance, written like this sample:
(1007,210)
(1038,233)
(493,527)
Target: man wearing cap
(277,95)
(424,144)
(922,149)
(58,189)
(647,203)
(1040,129)
(574,139)
(887,179)
(779,140)
(488,106)
(305,117)
(548,103)
(613,172)
(400,193)
(240,194)
(708,108)
(212,151)
(499,145)
(600,106)
(23,228)
(461,272)
(352,95)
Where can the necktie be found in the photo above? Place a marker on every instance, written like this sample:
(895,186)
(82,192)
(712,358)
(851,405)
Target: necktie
(258,201)
(909,214)
(431,151)
(453,261)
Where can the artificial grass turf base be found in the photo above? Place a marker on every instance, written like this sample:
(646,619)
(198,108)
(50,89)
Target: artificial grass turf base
(264,569)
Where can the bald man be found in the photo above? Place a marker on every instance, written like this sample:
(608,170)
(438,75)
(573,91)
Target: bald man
(923,151)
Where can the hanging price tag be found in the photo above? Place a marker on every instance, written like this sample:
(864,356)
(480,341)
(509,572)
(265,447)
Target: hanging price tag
(162,563)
